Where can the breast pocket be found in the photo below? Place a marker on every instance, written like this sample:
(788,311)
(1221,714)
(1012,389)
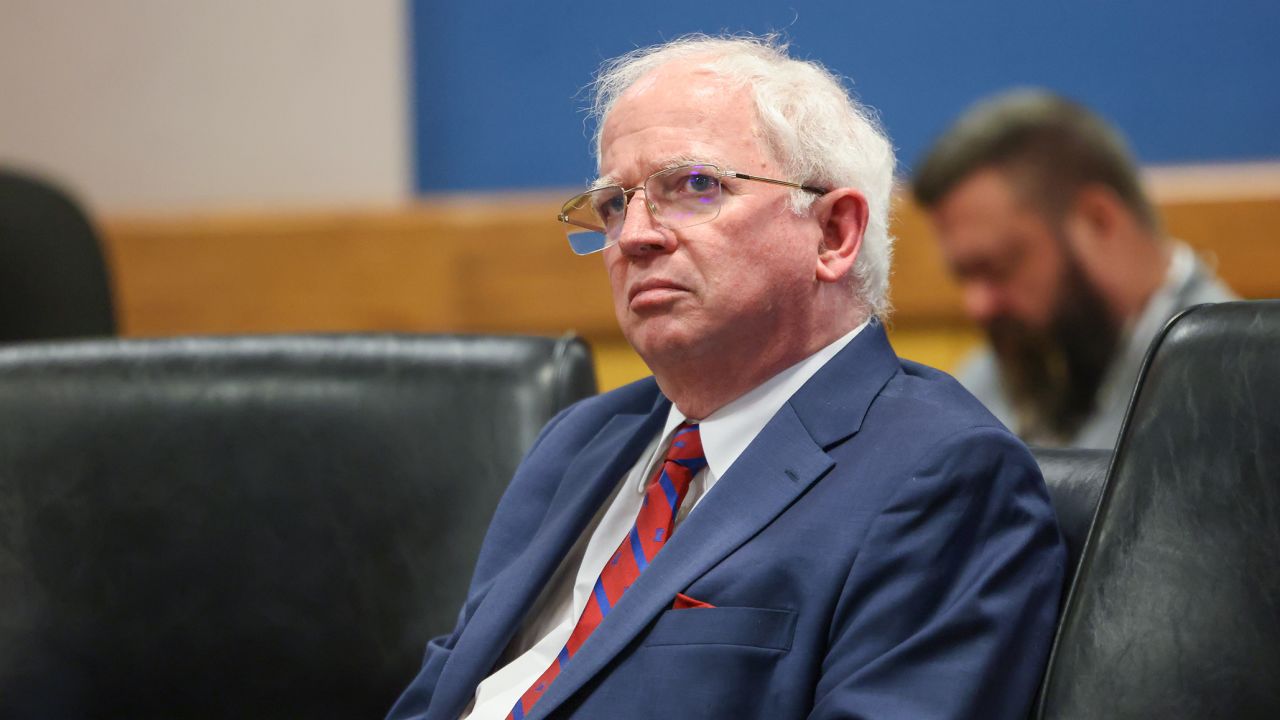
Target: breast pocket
(748,627)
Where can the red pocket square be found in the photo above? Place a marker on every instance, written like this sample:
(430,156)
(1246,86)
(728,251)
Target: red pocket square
(684,602)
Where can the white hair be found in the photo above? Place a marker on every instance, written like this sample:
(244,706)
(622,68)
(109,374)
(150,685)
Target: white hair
(813,127)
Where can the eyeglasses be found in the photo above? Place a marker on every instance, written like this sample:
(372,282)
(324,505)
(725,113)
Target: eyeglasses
(678,197)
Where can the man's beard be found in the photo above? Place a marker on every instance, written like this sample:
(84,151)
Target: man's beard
(1052,376)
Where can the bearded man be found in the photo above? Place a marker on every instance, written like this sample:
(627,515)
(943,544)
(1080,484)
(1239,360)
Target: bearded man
(1060,257)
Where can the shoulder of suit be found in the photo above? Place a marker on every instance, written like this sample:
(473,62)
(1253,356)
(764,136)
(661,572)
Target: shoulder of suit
(933,399)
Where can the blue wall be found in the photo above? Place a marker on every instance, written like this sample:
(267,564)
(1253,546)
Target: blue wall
(495,82)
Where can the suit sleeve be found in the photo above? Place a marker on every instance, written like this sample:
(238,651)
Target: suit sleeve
(950,604)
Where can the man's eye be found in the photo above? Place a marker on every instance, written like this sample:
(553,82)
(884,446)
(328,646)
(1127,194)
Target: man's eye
(611,206)
(701,184)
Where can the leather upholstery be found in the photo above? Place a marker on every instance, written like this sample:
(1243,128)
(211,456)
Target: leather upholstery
(53,279)
(1175,611)
(1075,478)
(250,527)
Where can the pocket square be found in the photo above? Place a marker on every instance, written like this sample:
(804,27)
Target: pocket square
(684,602)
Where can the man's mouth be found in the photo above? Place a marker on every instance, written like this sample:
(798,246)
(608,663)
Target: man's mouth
(654,291)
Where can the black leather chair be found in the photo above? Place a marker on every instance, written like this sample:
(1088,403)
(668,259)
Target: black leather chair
(1175,609)
(53,279)
(1075,478)
(263,527)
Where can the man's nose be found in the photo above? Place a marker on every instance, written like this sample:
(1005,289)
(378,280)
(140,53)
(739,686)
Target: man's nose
(641,233)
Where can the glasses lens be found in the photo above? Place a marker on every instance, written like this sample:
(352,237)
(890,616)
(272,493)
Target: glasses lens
(590,218)
(685,196)
(585,242)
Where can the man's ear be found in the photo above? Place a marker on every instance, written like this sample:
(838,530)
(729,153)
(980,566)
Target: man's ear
(1095,218)
(842,215)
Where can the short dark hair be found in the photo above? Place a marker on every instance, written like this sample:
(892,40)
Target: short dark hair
(1051,145)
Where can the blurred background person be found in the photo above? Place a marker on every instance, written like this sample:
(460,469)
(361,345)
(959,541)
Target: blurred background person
(1060,256)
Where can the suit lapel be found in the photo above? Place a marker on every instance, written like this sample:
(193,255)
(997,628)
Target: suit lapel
(778,466)
(588,480)
(836,399)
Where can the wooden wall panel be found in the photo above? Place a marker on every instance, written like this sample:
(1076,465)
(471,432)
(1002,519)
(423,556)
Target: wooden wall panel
(495,266)
(1240,237)
(500,264)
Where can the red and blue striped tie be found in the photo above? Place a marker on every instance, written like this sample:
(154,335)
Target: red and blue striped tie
(653,526)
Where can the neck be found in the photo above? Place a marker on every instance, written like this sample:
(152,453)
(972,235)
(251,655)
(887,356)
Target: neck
(699,386)
(1136,276)
(698,390)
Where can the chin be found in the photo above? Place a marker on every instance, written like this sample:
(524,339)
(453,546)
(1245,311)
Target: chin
(655,341)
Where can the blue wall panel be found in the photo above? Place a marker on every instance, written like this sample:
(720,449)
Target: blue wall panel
(496,85)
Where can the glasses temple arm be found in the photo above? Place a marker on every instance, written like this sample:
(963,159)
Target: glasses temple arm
(806,188)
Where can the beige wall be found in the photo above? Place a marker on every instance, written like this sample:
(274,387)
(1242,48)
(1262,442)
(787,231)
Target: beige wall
(142,105)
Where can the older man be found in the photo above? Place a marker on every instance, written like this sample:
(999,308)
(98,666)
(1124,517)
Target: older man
(1060,256)
(786,521)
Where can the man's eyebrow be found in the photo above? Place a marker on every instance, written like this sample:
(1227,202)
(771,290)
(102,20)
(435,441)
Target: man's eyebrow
(673,161)
(676,161)
(602,181)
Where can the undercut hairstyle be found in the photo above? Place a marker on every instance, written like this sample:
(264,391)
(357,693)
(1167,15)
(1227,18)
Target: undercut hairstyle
(1050,148)
(812,125)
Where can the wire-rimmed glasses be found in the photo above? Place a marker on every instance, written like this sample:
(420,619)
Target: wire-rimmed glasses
(677,197)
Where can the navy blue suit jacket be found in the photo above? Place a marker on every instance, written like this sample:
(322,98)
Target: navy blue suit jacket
(883,549)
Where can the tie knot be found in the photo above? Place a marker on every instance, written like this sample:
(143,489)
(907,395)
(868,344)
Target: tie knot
(686,447)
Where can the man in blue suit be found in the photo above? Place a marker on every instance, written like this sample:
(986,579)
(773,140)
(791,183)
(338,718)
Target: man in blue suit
(786,521)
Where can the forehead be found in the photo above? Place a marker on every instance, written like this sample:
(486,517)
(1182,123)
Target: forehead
(675,115)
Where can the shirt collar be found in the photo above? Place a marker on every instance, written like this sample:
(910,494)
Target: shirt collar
(728,431)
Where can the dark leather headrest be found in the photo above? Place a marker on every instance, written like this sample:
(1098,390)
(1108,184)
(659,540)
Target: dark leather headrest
(53,277)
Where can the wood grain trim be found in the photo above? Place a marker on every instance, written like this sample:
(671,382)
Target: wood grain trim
(499,263)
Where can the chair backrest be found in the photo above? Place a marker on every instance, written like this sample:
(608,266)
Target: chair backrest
(1075,477)
(1175,611)
(250,527)
(53,279)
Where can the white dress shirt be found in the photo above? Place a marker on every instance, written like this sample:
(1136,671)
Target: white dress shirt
(725,434)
